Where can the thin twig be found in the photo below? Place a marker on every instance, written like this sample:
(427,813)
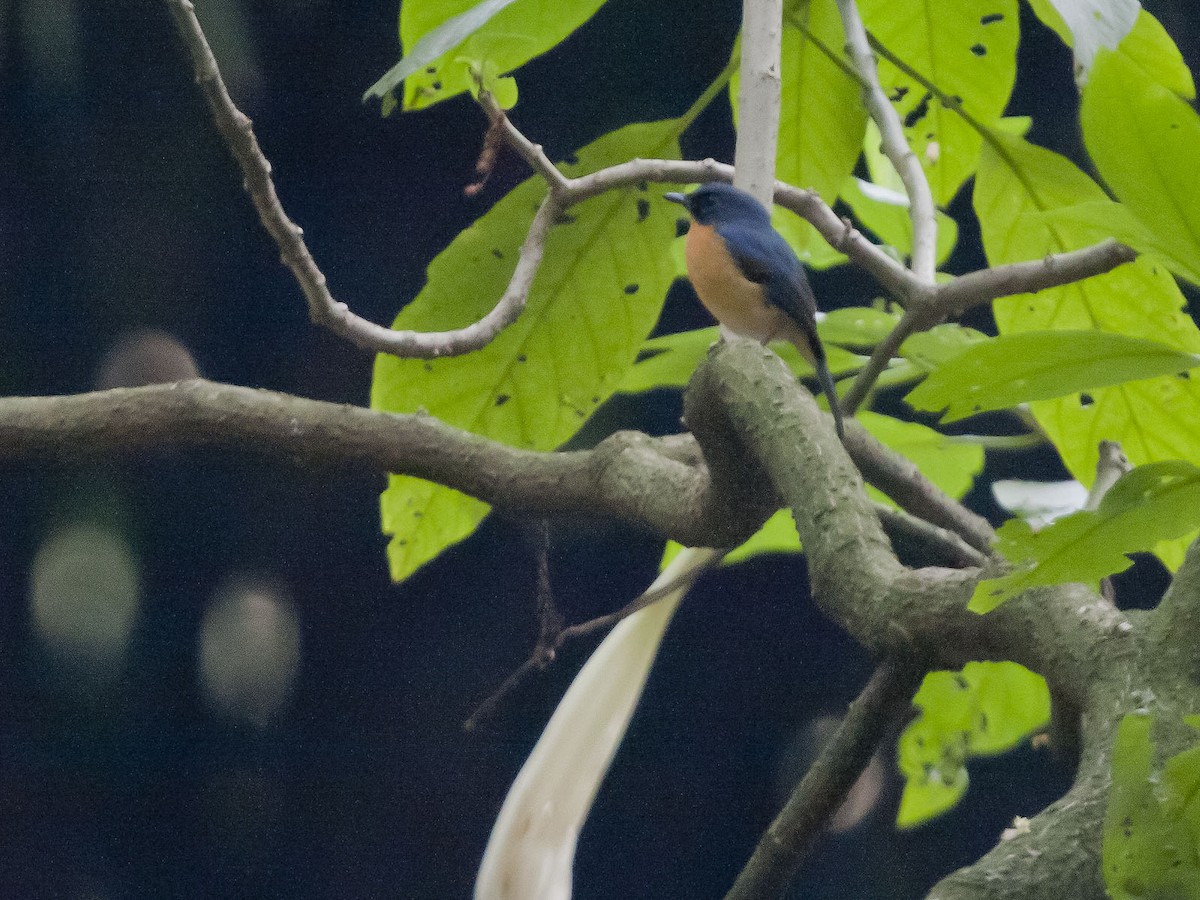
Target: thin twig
(323,309)
(837,767)
(553,636)
(891,130)
(927,544)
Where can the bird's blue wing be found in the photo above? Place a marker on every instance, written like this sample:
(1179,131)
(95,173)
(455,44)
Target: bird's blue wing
(765,258)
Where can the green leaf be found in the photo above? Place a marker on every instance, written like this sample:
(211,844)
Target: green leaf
(505,33)
(1150,841)
(1155,502)
(1118,221)
(1037,365)
(965,47)
(950,465)
(670,360)
(814,89)
(598,293)
(1017,188)
(987,708)
(1144,141)
(1150,48)
(885,213)
(435,43)
(856,326)
(940,344)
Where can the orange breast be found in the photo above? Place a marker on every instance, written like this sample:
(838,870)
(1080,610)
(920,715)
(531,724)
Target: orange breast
(734,300)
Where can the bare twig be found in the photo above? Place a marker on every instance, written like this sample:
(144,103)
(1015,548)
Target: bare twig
(323,309)
(891,130)
(824,787)
(920,543)
(553,636)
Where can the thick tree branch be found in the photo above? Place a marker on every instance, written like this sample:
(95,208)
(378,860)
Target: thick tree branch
(625,476)
(824,787)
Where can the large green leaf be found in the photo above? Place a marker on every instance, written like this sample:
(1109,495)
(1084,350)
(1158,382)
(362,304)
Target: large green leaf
(1038,365)
(985,709)
(814,90)
(1155,502)
(967,48)
(505,35)
(1150,839)
(598,293)
(1145,142)
(1018,188)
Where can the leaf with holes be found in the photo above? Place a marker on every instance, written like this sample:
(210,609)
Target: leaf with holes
(1037,365)
(968,50)
(599,291)
(987,708)
(1151,846)
(1155,502)
(438,35)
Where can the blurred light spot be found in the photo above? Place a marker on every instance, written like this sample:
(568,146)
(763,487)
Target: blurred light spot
(799,756)
(84,593)
(1040,503)
(145,357)
(249,650)
(50,37)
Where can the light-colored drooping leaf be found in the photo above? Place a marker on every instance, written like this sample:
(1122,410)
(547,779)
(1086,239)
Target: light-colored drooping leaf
(967,48)
(598,293)
(1037,365)
(1018,187)
(670,360)
(1088,25)
(1155,502)
(1145,142)
(1150,841)
(987,708)
(1039,502)
(503,33)
(814,89)
(531,850)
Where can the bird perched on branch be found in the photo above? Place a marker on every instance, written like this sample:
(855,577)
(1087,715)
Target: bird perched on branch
(749,277)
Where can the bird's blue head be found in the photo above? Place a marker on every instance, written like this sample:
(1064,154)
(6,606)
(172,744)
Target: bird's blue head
(716,203)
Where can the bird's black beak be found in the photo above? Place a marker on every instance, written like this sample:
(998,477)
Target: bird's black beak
(676,197)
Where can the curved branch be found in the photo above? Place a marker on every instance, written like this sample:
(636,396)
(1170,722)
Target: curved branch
(624,476)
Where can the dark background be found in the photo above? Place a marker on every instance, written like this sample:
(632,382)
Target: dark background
(120,211)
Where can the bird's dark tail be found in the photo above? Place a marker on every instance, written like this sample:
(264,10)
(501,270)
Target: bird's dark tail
(825,378)
(816,355)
